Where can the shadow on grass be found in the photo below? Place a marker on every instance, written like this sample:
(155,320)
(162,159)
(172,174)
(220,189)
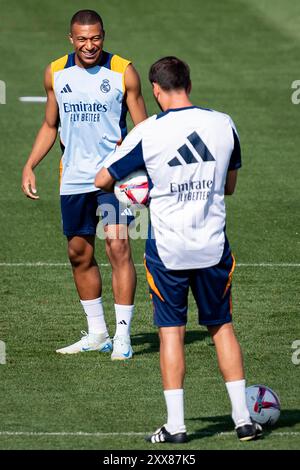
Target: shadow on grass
(150,341)
(224,424)
(217,424)
(288,418)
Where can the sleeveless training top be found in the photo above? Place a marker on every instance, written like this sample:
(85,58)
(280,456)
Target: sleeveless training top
(92,113)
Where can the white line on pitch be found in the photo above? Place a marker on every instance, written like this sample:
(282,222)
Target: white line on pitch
(33,99)
(268,265)
(138,265)
(115,434)
(79,433)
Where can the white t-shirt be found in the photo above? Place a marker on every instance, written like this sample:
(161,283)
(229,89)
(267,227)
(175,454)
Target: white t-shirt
(186,153)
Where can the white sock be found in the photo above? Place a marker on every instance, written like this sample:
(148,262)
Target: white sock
(237,394)
(124,315)
(175,409)
(95,316)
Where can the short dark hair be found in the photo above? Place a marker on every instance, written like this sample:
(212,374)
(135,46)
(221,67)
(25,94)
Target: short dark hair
(170,73)
(86,17)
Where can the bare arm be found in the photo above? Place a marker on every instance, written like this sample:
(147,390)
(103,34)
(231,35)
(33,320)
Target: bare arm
(104,180)
(134,99)
(138,113)
(44,139)
(230,182)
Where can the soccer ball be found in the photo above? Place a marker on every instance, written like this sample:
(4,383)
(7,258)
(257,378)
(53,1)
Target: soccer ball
(133,190)
(263,404)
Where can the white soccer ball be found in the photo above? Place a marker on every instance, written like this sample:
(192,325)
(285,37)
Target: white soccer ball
(263,404)
(133,190)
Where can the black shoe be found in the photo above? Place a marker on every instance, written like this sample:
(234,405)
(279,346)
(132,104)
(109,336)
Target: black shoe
(248,432)
(162,435)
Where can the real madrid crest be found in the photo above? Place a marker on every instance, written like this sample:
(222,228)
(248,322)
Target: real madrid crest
(105,86)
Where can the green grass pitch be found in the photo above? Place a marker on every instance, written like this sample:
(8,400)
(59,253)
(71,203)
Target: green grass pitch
(244,57)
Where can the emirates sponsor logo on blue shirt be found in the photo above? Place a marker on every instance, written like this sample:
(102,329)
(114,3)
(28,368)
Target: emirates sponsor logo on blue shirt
(84,112)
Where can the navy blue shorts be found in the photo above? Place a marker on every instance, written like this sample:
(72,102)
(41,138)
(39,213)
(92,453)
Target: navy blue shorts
(211,288)
(80,212)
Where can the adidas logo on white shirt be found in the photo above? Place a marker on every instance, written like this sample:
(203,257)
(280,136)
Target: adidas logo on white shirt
(66,89)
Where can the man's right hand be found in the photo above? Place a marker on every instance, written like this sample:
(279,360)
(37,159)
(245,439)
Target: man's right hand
(28,183)
(44,139)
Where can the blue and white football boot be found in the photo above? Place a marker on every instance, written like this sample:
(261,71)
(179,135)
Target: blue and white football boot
(88,342)
(122,349)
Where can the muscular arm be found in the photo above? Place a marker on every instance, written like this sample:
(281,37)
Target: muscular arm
(104,180)
(134,98)
(44,139)
(138,113)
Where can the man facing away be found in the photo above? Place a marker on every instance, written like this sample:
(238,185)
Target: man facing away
(191,156)
(88,93)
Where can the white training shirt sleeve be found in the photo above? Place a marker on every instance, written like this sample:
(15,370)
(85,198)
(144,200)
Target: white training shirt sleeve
(129,156)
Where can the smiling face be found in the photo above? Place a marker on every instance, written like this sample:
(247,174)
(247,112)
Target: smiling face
(87,40)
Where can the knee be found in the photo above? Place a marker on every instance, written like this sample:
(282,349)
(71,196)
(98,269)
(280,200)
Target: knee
(118,250)
(78,256)
(221,331)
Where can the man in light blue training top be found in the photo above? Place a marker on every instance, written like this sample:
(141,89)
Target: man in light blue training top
(191,156)
(88,93)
